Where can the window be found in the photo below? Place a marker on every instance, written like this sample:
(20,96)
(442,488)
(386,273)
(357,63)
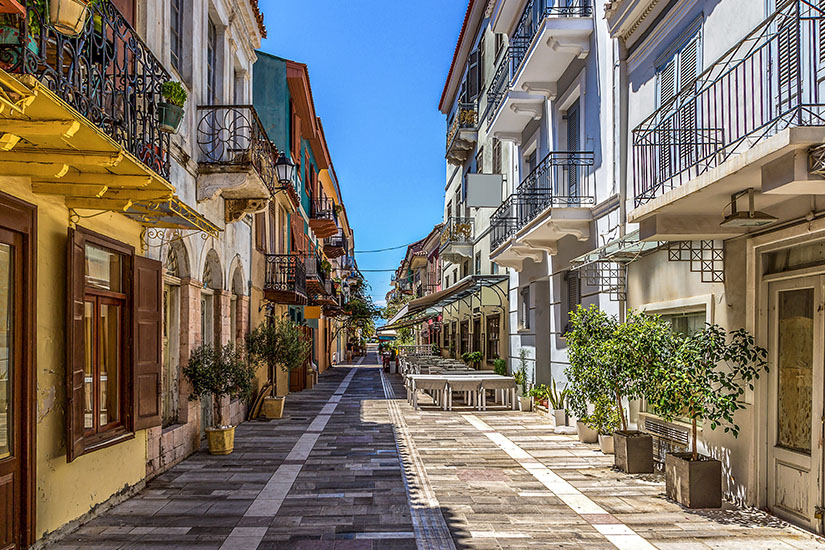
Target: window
(260,231)
(114,297)
(686,322)
(496,156)
(524,309)
(480,160)
(494,268)
(472,80)
(572,298)
(465,268)
(478,263)
(499,43)
(493,327)
(453,339)
(212,62)
(177,34)
(477,334)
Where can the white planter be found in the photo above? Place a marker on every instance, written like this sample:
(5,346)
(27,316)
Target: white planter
(586,434)
(560,416)
(68,16)
(525,403)
(606,444)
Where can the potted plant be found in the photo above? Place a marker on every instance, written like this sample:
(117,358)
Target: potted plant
(436,349)
(472,358)
(639,346)
(539,395)
(522,382)
(705,380)
(500,366)
(604,420)
(69,16)
(219,372)
(556,403)
(170,112)
(277,343)
(326,267)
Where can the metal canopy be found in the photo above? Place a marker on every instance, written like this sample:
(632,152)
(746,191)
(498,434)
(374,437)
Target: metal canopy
(462,289)
(410,320)
(171,214)
(622,250)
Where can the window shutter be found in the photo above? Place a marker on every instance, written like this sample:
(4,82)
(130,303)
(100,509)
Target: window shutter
(260,230)
(296,138)
(75,345)
(473,77)
(788,61)
(688,71)
(146,344)
(573,298)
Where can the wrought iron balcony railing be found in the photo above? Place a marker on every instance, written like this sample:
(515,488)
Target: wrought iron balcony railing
(433,280)
(233,135)
(314,270)
(457,231)
(562,179)
(285,273)
(531,18)
(769,81)
(337,241)
(466,116)
(107,73)
(322,209)
(500,84)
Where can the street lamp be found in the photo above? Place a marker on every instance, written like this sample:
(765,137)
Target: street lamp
(285,169)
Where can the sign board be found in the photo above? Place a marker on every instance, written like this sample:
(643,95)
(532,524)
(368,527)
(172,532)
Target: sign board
(483,190)
(312,312)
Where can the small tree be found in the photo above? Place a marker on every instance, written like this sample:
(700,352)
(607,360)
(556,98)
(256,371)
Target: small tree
(706,378)
(589,375)
(500,366)
(605,416)
(219,372)
(278,342)
(472,357)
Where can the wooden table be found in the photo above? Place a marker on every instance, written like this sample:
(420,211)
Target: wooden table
(456,377)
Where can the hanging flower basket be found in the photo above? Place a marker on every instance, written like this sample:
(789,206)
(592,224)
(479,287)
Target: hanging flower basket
(68,16)
(169,117)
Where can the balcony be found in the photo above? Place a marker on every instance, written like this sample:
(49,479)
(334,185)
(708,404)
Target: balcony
(548,36)
(80,114)
(322,218)
(237,160)
(285,279)
(462,133)
(335,246)
(456,240)
(316,277)
(753,119)
(433,281)
(552,202)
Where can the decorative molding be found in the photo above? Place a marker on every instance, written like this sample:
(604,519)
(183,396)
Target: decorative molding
(547,89)
(236,209)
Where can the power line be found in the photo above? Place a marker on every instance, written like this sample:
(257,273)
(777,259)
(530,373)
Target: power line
(377,270)
(381,249)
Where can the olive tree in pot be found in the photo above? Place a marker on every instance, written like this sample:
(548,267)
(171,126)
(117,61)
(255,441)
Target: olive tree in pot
(639,346)
(219,372)
(277,343)
(588,375)
(705,380)
(523,382)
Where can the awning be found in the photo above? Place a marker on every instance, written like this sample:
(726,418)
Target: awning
(409,319)
(465,287)
(171,214)
(622,250)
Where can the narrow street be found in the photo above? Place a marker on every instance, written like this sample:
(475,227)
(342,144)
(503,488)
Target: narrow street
(329,476)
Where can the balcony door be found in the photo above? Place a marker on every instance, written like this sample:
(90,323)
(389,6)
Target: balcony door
(573,145)
(16,370)
(797,353)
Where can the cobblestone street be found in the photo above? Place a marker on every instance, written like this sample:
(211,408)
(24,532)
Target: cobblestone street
(348,468)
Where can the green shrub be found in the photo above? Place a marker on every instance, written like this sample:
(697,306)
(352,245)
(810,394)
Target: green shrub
(174,92)
(500,366)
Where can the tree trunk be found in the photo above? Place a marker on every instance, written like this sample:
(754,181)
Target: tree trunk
(622,419)
(694,445)
(216,410)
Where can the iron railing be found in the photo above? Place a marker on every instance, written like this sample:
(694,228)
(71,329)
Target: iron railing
(771,80)
(322,209)
(337,241)
(233,135)
(107,73)
(285,273)
(561,179)
(465,116)
(313,268)
(433,281)
(457,231)
(499,85)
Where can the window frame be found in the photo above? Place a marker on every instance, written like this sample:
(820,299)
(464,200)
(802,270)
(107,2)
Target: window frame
(176,33)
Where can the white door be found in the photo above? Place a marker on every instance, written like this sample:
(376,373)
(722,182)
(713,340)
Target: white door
(796,399)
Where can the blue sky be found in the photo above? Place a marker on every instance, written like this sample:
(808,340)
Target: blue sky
(377,68)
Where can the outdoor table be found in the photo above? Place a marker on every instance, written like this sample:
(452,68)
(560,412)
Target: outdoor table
(504,383)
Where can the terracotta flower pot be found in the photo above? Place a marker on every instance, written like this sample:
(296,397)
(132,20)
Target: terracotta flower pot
(274,407)
(586,433)
(693,483)
(221,440)
(606,444)
(634,452)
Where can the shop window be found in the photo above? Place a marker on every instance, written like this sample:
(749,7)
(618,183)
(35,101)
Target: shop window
(114,299)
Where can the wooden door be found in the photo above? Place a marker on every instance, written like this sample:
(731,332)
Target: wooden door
(12,402)
(796,399)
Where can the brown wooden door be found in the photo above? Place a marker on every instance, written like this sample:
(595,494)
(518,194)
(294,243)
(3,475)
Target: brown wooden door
(12,483)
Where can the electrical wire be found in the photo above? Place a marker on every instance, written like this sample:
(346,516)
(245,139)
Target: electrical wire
(381,249)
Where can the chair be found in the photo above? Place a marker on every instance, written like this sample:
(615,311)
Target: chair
(438,387)
(505,385)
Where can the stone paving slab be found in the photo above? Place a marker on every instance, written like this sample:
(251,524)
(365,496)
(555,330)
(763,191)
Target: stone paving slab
(352,466)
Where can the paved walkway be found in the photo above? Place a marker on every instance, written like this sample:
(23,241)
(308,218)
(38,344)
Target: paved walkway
(352,466)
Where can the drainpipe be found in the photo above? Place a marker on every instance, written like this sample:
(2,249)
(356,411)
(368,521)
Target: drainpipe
(620,97)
